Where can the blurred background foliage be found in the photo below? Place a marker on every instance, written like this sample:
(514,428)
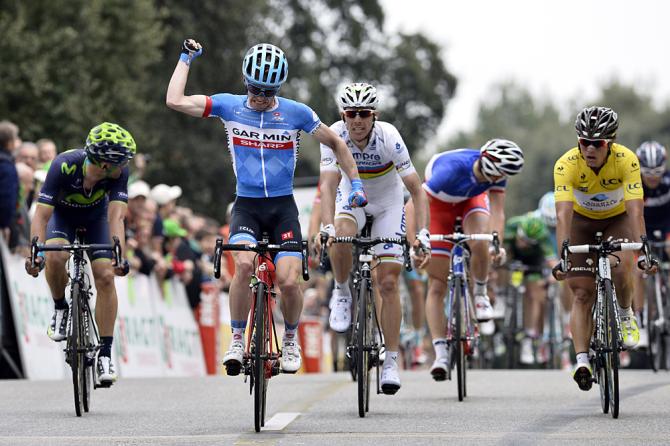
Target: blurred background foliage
(69,65)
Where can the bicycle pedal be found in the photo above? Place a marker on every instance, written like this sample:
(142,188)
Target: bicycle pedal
(390,389)
(232,368)
(439,375)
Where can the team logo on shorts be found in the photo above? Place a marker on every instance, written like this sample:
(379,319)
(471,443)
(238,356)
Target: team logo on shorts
(287,235)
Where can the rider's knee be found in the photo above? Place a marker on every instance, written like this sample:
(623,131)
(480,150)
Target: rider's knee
(581,296)
(57,259)
(244,267)
(288,284)
(388,285)
(104,278)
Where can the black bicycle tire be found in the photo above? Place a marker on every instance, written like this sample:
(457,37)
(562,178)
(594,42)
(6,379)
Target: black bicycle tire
(652,330)
(258,361)
(511,337)
(613,346)
(602,360)
(73,349)
(457,336)
(85,344)
(362,356)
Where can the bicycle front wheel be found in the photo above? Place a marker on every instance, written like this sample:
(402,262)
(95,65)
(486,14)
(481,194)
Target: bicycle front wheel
(362,351)
(86,344)
(259,357)
(457,337)
(73,350)
(613,347)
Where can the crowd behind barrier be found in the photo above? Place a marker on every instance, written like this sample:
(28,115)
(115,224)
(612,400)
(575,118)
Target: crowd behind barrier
(170,249)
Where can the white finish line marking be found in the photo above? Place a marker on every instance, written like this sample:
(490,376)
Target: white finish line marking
(280,421)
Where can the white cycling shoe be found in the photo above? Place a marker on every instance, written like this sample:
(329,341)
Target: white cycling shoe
(483,308)
(439,368)
(290,356)
(106,371)
(340,312)
(390,379)
(233,358)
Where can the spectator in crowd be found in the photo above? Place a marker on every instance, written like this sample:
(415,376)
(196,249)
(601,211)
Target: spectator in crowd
(9,179)
(143,258)
(166,198)
(182,260)
(47,152)
(29,154)
(138,192)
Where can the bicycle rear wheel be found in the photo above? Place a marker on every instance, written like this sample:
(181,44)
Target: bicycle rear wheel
(613,347)
(73,350)
(362,352)
(259,358)
(458,338)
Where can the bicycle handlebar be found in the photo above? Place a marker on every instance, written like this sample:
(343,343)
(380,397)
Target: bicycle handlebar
(115,248)
(459,237)
(608,248)
(367,243)
(259,248)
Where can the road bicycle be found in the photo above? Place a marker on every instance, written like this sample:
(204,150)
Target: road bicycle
(606,342)
(366,343)
(262,353)
(656,311)
(462,331)
(83,341)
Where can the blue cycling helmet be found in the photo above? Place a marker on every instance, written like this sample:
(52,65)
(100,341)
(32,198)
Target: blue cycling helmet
(265,66)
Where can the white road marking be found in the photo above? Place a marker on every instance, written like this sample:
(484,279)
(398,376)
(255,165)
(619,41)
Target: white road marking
(280,421)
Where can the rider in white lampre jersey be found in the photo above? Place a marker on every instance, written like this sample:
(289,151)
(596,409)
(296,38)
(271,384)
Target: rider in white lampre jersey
(383,164)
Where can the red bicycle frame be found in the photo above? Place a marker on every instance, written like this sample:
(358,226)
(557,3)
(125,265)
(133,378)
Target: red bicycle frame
(265,273)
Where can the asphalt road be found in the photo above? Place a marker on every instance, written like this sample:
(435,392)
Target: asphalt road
(502,407)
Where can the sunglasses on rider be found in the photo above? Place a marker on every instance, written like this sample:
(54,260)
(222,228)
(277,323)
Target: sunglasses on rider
(653,171)
(265,92)
(597,143)
(351,114)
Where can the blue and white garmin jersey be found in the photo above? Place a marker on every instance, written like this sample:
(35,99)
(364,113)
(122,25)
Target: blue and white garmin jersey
(263,145)
(449,177)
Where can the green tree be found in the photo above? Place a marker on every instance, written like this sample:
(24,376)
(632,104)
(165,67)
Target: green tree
(69,65)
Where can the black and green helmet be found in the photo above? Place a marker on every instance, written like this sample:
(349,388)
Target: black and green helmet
(110,143)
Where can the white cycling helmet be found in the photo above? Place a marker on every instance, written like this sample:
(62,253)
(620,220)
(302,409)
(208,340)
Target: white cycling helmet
(500,157)
(358,95)
(547,209)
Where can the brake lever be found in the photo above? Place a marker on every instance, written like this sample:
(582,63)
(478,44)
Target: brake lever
(218,250)
(406,254)
(305,266)
(322,257)
(33,252)
(117,251)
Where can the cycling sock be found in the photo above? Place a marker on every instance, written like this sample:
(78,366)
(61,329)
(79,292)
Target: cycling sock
(626,311)
(391,356)
(290,330)
(582,358)
(480,288)
(61,304)
(440,346)
(238,328)
(344,286)
(106,346)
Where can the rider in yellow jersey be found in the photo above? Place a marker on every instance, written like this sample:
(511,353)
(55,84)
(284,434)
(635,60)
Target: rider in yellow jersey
(598,189)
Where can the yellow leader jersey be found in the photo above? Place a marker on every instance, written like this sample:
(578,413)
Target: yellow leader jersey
(600,195)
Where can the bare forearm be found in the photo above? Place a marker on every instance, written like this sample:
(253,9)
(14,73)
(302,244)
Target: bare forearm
(420,210)
(346,161)
(38,227)
(177,86)
(327,203)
